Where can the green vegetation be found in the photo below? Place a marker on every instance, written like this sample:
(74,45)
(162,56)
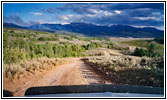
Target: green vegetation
(21,45)
(153,50)
(137,43)
(92,45)
(159,40)
(148,48)
(48,39)
(67,38)
(110,45)
(93,38)
(21,49)
(25,45)
(87,38)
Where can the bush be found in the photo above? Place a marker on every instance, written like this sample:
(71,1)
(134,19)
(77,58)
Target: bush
(153,50)
(14,56)
(48,39)
(92,46)
(141,52)
(110,45)
(159,40)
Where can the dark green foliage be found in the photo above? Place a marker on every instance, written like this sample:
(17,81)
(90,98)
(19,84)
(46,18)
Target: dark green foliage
(153,50)
(140,52)
(48,39)
(11,31)
(159,40)
(24,45)
(69,50)
(92,46)
(21,49)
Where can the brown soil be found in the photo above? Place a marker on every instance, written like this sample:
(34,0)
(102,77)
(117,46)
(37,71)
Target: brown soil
(74,73)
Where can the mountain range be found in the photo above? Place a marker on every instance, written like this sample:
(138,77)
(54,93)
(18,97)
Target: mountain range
(96,30)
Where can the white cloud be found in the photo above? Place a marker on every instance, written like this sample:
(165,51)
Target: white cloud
(37,13)
(64,23)
(57,22)
(67,17)
(95,11)
(70,17)
(117,11)
(91,15)
(148,18)
(157,27)
(99,13)
(106,13)
(156,13)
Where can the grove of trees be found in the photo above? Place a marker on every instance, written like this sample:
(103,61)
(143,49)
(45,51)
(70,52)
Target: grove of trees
(20,48)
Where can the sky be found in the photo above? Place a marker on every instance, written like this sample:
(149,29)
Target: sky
(134,14)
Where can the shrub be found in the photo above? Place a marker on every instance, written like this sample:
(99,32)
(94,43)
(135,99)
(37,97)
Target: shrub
(14,56)
(92,46)
(48,39)
(153,50)
(110,45)
(159,40)
(140,52)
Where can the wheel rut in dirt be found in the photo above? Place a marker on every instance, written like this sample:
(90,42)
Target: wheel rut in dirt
(75,73)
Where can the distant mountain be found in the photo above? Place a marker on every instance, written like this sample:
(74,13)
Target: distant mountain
(94,30)
(13,25)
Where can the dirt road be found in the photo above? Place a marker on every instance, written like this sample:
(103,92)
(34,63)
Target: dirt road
(74,73)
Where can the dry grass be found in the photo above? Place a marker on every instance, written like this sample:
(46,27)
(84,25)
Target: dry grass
(130,70)
(16,70)
(102,52)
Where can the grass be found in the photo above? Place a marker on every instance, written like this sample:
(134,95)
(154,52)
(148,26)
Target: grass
(150,48)
(141,43)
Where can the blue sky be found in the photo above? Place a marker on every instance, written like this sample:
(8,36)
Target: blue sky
(134,14)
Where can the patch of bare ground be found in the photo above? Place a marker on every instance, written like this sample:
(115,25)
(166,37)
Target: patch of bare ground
(74,73)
